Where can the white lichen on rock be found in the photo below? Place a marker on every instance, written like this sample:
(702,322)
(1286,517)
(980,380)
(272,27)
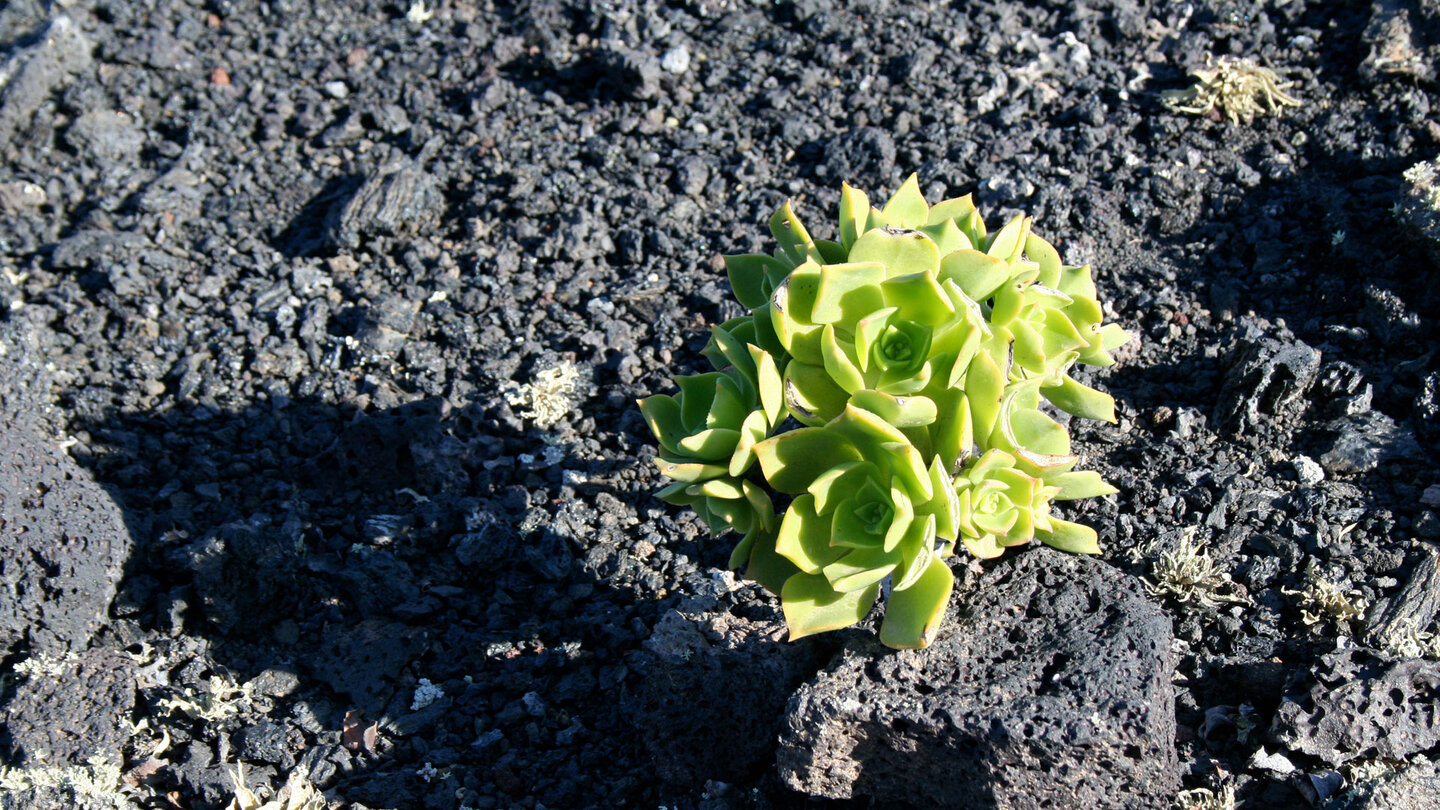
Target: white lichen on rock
(551,395)
(95,784)
(425,694)
(1188,574)
(1206,799)
(1322,599)
(1407,640)
(1239,88)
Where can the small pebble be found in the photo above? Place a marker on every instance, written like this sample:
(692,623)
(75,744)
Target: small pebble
(676,60)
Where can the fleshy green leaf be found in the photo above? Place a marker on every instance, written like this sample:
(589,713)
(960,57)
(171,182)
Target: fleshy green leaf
(1077,282)
(1045,255)
(769,384)
(697,397)
(872,434)
(790,312)
(747,275)
(848,292)
(754,430)
(907,208)
(715,444)
(841,482)
(984,386)
(1009,301)
(900,520)
(741,553)
(812,606)
(1078,399)
(901,252)
(804,537)
(975,273)
(767,567)
(838,364)
(734,352)
(689,471)
(955,208)
(1076,538)
(831,252)
(795,241)
(920,298)
(913,615)
(854,213)
(1007,242)
(811,396)
(662,414)
(902,412)
(953,431)
(793,460)
(1081,484)
(947,237)
(860,569)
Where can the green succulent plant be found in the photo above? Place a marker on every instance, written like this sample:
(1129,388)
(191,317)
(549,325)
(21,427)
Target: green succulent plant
(866,508)
(918,355)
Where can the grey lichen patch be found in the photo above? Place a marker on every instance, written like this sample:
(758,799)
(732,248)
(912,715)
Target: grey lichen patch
(551,395)
(92,785)
(1407,640)
(1206,799)
(1322,600)
(1238,88)
(1189,575)
(297,794)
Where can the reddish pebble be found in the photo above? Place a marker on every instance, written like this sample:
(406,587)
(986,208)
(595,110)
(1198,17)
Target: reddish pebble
(212,20)
(219,76)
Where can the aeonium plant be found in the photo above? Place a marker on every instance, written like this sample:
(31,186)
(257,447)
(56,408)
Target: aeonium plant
(893,390)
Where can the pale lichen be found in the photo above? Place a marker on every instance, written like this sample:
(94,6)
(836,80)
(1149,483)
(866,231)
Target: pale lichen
(1407,640)
(1188,574)
(1206,799)
(1322,600)
(551,395)
(95,784)
(1239,88)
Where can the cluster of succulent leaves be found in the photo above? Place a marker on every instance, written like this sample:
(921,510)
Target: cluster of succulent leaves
(887,387)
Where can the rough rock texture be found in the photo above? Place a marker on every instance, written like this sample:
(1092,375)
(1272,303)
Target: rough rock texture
(1049,686)
(709,665)
(29,76)
(1267,375)
(1414,788)
(1363,442)
(1401,36)
(67,710)
(1413,608)
(396,199)
(1355,703)
(65,545)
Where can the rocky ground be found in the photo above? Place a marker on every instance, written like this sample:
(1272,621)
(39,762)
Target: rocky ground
(322,323)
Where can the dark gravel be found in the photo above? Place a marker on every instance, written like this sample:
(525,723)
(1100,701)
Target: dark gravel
(276,276)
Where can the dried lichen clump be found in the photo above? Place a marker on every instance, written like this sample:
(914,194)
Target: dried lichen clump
(1322,599)
(551,395)
(1238,88)
(1189,575)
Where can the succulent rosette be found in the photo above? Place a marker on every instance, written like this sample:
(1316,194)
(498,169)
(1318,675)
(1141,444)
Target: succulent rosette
(922,357)
(866,509)
(999,506)
(858,327)
(708,432)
